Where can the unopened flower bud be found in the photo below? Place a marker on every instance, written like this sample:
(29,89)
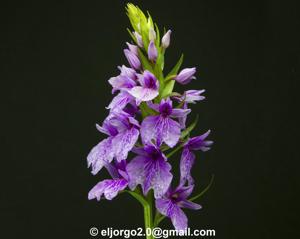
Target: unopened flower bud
(132,59)
(152,51)
(165,41)
(139,39)
(186,75)
(152,34)
(133,48)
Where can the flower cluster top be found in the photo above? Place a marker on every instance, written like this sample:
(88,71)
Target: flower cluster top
(148,119)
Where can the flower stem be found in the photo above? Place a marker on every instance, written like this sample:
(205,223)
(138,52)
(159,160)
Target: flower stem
(158,218)
(148,217)
(174,151)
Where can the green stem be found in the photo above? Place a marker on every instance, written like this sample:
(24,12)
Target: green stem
(205,189)
(148,220)
(148,214)
(174,151)
(158,218)
(147,205)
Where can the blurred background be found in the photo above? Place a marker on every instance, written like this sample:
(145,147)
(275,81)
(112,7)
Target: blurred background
(57,58)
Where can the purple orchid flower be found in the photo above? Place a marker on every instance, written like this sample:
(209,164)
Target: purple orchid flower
(123,133)
(111,187)
(190,96)
(151,170)
(125,140)
(199,142)
(123,82)
(170,205)
(188,157)
(162,128)
(148,89)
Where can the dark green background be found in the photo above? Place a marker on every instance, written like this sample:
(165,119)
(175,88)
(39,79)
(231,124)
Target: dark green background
(57,58)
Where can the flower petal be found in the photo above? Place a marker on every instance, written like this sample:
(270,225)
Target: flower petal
(121,83)
(183,192)
(179,113)
(108,187)
(170,132)
(182,120)
(189,205)
(191,96)
(178,218)
(148,80)
(158,177)
(136,171)
(148,128)
(119,101)
(186,163)
(167,208)
(129,72)
(150,173)
(164,206)
(199,142)
(124,142)
(161,129)
(100,155)
(143,94)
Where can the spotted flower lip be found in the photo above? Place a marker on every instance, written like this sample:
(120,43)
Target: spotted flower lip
(162,128)
(150,169)
(148,88)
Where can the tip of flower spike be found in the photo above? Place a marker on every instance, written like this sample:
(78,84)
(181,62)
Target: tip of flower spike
(136,16)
